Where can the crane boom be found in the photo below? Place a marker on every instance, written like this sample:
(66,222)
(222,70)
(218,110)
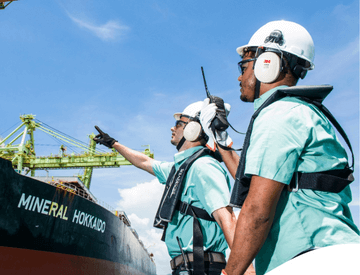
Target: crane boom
(24,159)
(5,3)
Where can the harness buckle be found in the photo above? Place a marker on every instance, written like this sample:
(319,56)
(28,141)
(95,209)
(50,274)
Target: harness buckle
(184,208)
(294,187)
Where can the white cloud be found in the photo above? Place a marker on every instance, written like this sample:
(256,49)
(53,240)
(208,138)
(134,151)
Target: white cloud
(333,67)
(140,204)
(136,221)
(108,31)
(142,199)
(347,13)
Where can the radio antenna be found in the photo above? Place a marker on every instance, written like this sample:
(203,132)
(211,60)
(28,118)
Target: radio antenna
(206,88)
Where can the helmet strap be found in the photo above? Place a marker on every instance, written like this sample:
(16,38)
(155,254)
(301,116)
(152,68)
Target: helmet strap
(180,144)
(257,89)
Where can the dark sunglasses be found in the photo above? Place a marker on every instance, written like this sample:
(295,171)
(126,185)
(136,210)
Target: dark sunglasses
(242,62)
(179,123)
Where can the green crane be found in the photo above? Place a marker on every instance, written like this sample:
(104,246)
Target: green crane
(24,159)
(5,3)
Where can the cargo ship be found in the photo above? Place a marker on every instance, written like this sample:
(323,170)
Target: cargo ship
(55,224)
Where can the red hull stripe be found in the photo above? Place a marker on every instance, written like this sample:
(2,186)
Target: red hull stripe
(32,262)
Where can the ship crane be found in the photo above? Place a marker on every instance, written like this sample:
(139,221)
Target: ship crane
(4,3)
(25,160)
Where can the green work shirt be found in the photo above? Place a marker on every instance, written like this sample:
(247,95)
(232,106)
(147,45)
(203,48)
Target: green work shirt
(291,135)
(206,186)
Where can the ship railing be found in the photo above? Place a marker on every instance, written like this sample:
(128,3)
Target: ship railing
(71,188)
(123,217)
(105,205)
(80,192)
(135,233)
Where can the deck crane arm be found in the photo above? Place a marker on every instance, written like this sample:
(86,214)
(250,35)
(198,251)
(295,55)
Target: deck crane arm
(5,3)
(23,154)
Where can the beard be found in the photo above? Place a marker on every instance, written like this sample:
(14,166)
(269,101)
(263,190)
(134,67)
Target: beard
(248,90)
(243,98)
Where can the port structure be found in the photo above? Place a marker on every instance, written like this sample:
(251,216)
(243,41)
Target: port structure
(24,159)
(5,3)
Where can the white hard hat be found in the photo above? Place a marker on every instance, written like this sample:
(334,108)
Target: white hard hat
(295,40)
(190,111)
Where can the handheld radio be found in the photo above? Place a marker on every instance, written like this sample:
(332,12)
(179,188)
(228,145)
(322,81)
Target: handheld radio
(220,122)
(187,270)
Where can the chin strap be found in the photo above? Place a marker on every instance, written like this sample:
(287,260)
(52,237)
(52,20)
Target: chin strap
(181,142)
(257,89)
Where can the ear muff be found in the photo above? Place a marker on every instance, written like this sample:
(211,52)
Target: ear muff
(267,67)
(192,131)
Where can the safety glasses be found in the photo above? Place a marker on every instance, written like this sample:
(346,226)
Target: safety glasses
(179,123)
(242,62)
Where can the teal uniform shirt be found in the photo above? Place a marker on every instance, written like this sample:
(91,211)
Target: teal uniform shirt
(206,186)
(291,135)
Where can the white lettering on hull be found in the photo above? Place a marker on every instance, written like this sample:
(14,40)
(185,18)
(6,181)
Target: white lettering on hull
(85,219)
(46,207)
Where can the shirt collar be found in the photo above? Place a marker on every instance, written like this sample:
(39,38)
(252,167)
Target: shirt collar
(179,157)
(259,101)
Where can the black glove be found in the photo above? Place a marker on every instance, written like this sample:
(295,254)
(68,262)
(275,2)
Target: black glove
(104,138)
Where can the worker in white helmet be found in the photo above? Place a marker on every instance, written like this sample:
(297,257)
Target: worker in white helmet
(292,178)
(194,213)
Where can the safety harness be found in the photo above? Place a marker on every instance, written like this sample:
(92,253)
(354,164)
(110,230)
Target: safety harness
(330,181)
(170,202)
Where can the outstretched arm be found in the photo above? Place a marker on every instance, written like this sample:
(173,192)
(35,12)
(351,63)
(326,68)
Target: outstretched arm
(136,158)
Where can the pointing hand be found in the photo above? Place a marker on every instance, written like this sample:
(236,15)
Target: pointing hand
(104,138)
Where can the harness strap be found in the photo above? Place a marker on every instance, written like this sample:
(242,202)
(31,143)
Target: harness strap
(198,250)
(257,87)
(180,144)
(171,201)
(209,256)
(173,189)
(198,238)
(334,122)
(329,181)
(187,209)
(158,222)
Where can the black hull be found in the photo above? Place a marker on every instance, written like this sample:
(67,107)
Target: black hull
(41,224)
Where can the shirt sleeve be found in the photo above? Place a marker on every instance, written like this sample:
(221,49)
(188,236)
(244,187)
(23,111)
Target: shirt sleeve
(212,184)
(162,170)
(277,140)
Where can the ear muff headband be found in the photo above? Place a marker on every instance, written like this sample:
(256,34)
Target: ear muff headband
(299,67)
(267,67)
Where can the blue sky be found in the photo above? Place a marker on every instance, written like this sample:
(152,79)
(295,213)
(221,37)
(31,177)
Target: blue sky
(127,66)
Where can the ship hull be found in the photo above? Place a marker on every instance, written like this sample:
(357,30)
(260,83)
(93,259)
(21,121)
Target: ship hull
(44,228)
(25,261)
